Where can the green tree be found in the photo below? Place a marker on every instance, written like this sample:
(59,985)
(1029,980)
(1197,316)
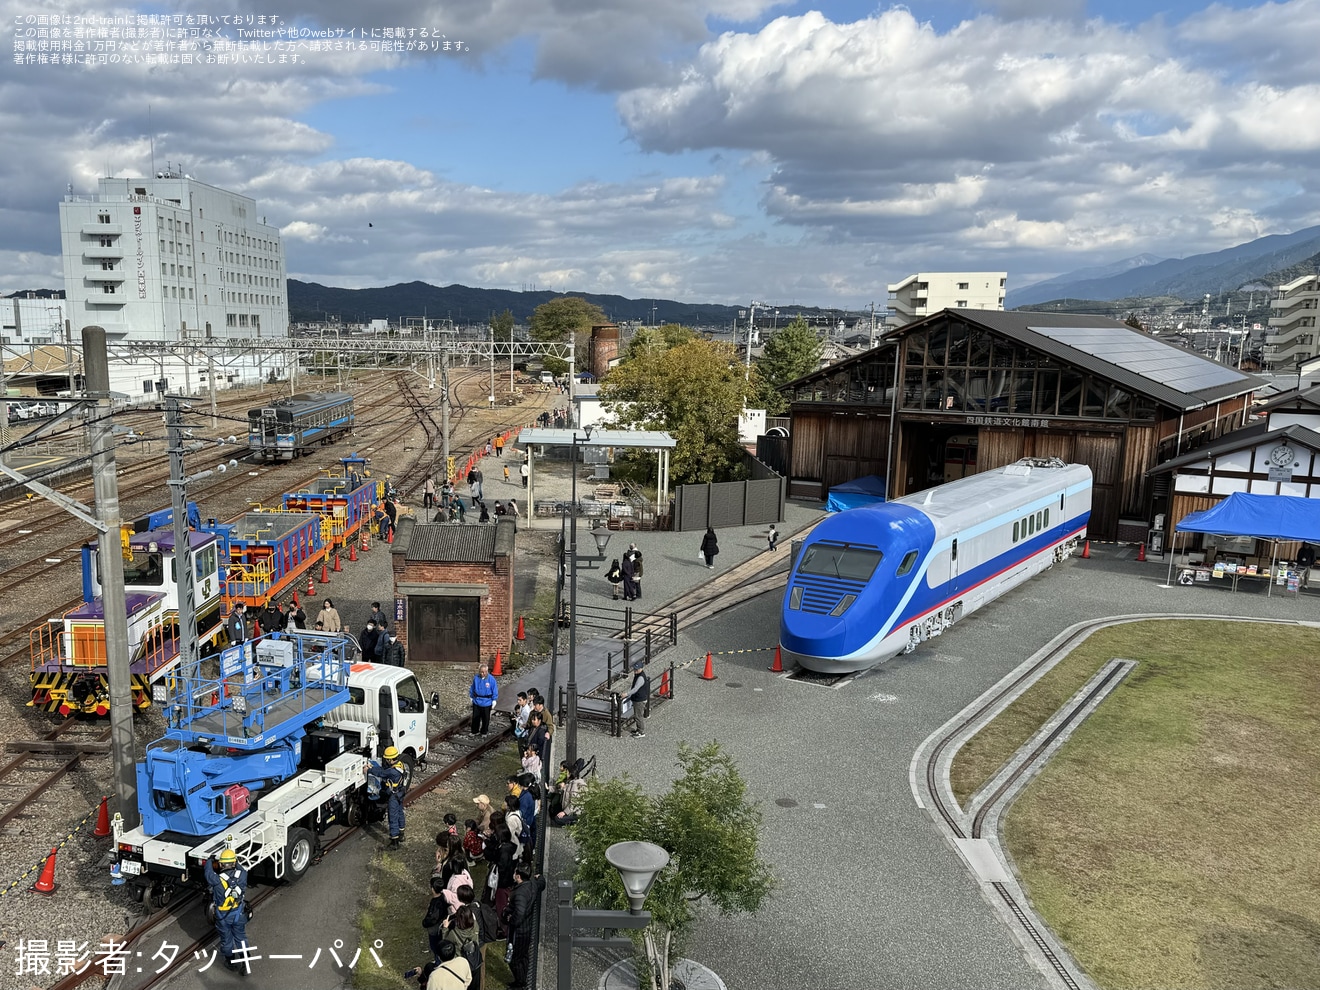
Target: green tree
(791,353)
(711,832)
(658,339)
(695,391)
(1133,322)
(502,326)
(568,319)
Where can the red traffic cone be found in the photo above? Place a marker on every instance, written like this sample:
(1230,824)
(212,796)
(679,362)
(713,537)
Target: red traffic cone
(389,537)
(664,684)
(366,540)
(1141,553)
(778,666)
(352,553)
(521,632)
(709,674)
(46,882)
(498,669)
(338,567)
(1086,551)
(311,587)
(102,829)
(325,572)
(296,604)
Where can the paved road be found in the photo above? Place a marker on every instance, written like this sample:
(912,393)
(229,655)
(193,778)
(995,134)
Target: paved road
(870,895)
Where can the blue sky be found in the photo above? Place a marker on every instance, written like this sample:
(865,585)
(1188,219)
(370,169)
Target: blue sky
(709,150)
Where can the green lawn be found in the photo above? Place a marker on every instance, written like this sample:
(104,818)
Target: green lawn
(1172,841)
(399,883)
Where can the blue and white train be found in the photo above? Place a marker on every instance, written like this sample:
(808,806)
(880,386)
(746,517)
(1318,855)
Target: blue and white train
(290,427)
(876,581)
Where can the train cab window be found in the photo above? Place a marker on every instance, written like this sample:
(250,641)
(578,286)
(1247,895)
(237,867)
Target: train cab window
(410,696)
(144,569)
(843,562)
(909,559)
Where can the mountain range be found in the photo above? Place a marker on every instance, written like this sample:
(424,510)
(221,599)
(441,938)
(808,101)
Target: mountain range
(1190,278)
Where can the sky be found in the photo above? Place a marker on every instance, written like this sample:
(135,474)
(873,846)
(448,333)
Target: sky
(699,150)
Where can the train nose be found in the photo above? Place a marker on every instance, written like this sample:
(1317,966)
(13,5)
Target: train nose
(820,635)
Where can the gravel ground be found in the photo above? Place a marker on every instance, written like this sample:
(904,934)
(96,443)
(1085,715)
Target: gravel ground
(841,826)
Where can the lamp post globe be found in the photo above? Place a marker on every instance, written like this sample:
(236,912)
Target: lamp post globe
(638,863)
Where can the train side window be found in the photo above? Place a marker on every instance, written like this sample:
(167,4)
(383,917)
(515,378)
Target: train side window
(1060,501)
(909,559)
(1031,524)
(1047,518)
(1024,527)
(1015,530)
(953,550)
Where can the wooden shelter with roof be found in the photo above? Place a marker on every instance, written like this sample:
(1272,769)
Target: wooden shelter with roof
(968,390)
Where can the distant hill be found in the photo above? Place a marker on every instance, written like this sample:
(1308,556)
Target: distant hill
(35,294)
(310,302)
(1054,288)
(1189,279)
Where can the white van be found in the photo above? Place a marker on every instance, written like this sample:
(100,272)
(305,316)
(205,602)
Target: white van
(547,378)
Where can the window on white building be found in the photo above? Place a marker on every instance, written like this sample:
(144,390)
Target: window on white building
(242,319)
(962,286)
(103,218)
(108,289)
(190,293)
(256,320)
(230,320)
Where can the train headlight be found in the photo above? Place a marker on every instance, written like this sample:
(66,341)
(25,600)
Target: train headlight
(842,607)
(795,599)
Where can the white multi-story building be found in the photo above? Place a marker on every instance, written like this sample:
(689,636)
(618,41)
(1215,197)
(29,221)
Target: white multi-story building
(1291,336)
(170,259)
(919,295)
(31,321)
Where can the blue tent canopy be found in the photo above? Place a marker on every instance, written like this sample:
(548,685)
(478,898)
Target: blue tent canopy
(851,494)
(1266,517)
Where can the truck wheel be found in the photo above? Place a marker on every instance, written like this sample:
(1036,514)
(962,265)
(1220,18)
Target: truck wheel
(409,764)
(298,854)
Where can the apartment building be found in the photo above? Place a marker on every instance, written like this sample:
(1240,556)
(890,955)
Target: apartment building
(1291,335)
(917,296)
(171,258)
(31,321)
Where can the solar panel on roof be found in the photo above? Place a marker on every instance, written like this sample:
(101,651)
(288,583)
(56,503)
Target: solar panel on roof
(1151,359)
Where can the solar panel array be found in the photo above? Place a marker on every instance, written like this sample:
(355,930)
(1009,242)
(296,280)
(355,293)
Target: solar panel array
(1145,356)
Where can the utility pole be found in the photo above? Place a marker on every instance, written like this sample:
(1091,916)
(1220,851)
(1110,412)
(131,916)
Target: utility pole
(492,365)
(751,328)
(96,368)
(210,374)
(444,403)
(872,344)
(184,569)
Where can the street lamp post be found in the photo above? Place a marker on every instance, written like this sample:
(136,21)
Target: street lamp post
(638,863)
(571,748)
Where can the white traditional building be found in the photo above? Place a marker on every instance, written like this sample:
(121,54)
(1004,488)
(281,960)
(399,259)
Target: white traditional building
(917,296)
(172,258)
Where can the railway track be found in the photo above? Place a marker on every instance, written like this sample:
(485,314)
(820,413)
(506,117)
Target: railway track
(27,775)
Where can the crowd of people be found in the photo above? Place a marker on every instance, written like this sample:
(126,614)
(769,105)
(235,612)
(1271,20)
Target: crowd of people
(483,884)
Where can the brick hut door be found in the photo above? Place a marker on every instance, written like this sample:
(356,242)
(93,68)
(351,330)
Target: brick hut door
(444,628)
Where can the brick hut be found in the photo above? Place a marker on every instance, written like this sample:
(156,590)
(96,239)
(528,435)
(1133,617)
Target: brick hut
(453,590)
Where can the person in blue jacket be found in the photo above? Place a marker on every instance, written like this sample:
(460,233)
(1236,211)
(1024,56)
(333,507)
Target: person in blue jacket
(228,888)
(483,691)
(393,779)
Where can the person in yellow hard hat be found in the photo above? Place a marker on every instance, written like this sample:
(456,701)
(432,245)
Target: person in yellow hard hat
(228,889)
(393,777)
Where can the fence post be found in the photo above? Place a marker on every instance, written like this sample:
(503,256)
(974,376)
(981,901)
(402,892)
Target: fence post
(671,680)
(673,628)
(609,669)
(627,622)
(560,713)
(627,655)
(648,646)
(616,716)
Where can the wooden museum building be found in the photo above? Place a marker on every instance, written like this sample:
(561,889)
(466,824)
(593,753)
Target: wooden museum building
(966,390)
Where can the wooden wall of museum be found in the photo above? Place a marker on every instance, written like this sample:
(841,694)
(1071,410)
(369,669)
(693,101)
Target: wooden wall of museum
(832,445)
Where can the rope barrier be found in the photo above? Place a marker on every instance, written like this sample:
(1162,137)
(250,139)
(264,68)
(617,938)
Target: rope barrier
(42,862)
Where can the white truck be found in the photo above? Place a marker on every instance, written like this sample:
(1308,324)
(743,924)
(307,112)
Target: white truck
(265,759)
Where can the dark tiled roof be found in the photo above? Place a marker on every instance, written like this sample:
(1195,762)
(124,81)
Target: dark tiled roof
(1248,436)
(452,543)
(1307,398)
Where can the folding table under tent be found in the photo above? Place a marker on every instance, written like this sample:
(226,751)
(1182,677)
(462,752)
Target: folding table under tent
(1265,517)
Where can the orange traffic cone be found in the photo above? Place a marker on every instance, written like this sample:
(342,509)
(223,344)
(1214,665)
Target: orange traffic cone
(338,567)
(102,829)
(46,882)
(296,603)
(325,572)
(1086,551)
(352,554)
(1141,553)
(778,666)
(664,684)
(366,540)
(311,587)
(389,536)
(522,634)
(709,674)
(498,669)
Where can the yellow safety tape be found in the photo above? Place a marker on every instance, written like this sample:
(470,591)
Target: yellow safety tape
(42,862)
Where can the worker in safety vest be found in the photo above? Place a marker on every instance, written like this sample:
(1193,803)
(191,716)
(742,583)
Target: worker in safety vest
(227,892)
(393,779)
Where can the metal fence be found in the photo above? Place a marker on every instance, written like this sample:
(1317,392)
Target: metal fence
(723,504)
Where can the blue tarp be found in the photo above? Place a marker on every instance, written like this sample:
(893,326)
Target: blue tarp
(1266,517)
(862,491)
